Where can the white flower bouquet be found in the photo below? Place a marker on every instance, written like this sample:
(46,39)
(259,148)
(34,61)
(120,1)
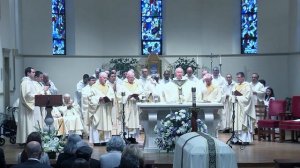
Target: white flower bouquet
(51,142)
(174,125)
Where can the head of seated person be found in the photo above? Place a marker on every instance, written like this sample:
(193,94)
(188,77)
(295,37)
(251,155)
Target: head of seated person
(34,136)
(116,143)
(33,150)
(84,150)
(71,145)
(132,156)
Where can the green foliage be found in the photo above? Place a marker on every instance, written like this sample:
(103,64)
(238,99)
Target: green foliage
(123,64)
(184,63)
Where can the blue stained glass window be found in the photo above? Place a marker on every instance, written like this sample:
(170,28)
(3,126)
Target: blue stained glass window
(151,8)
(58,27)
(151,47)
(151,26)
(249,26)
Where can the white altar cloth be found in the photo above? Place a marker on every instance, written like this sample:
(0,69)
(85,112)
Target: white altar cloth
(152,113)
(195,153)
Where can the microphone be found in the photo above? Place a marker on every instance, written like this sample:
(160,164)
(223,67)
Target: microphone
(123,97)
(194,96)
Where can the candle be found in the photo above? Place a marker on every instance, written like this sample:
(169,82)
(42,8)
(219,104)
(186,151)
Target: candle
(197,60)
(220,59)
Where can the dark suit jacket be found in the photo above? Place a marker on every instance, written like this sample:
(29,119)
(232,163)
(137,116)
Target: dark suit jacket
(69,163)
(31,164)
(2,159)
(63,157)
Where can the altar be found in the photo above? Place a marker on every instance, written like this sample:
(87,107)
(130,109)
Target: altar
(152,113)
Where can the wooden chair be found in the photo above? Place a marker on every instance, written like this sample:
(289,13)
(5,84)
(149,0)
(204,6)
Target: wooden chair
(266,127)
(291,125)
(260,112)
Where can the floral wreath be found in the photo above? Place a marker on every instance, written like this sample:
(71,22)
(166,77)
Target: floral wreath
(173,126)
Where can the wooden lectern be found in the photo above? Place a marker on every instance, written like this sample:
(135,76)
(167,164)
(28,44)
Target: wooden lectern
(48,101)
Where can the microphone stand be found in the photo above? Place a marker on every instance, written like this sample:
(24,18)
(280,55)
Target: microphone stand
(123,119)
(230,140)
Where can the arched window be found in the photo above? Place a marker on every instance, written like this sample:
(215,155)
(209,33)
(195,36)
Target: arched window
(249,26)
(58,27)
(151,27)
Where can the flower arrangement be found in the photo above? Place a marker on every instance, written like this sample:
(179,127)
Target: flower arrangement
(123,64)
(184,63)
(51,142)
(174,125)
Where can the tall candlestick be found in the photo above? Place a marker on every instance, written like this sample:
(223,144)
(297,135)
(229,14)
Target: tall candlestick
(220,59)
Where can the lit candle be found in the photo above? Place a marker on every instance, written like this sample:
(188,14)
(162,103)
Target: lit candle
(197,60)
(220,59)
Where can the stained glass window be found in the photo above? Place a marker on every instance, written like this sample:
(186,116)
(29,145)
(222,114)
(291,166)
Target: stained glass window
(249,26)
(58,27)
(151,27)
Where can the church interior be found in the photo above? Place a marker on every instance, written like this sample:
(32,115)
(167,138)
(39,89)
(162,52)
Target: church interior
(207,31)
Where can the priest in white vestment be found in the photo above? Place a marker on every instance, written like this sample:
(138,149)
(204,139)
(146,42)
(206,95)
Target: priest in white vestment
(179,90)
(145,82)
(70,111)
(115,112)
(40,112)
(244,110)
(101,109)
(226,114)
(217,78)
(85,98)
(133,92)
(191,77)
(26,107)
(258,90)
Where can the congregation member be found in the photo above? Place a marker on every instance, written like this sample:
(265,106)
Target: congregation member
(83,151)
(85,100)
(70,111)
(81,84)
(2,159)
(114,149)
(133,92)
(23,156)
(69,150)
(47,82)
(132,156)
(244,110)
(226,114)
(101,108)
(26,120)
(218,79)
(40,112)
(33,150)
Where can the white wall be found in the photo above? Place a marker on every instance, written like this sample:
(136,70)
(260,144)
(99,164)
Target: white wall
(106,27)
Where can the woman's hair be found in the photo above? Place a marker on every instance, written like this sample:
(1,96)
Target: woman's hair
(34,136)
(80,162)
(272,93)
(132,156)
(116,143)
(71,146)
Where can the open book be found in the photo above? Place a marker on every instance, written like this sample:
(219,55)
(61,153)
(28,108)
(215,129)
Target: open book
(237,93)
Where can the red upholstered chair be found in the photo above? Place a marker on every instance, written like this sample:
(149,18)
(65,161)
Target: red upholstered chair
(266,127)
(291,125)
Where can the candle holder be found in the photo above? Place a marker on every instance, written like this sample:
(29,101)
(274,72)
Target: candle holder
(220,65)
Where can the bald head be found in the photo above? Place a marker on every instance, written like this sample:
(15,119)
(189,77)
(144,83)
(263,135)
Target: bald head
(67,98)
(189,71)
(33,149)
(102,78)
